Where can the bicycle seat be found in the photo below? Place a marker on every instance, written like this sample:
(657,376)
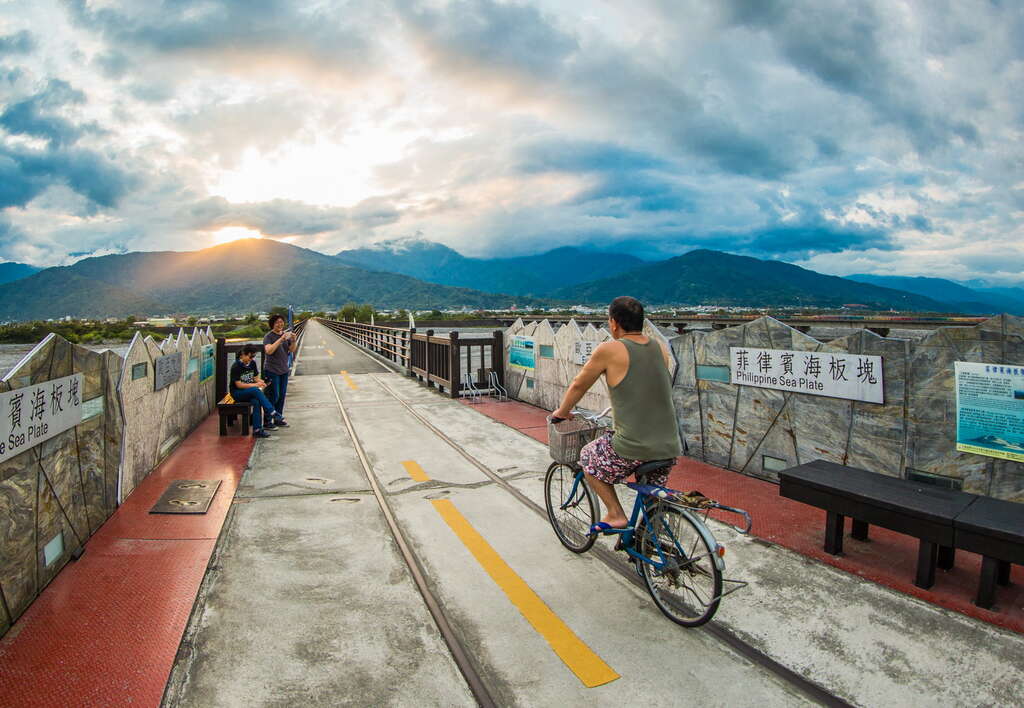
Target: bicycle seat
(652,466)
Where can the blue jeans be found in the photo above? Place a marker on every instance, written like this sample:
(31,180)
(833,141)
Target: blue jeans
(259,401)
(277,390)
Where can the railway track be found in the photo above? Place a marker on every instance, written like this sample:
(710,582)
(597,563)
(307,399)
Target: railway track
(462,657)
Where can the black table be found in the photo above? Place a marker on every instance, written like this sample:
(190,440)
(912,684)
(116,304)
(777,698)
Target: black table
(994,529)
(918,510)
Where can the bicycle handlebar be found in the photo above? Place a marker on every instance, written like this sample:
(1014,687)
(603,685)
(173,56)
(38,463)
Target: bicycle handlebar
(585,416)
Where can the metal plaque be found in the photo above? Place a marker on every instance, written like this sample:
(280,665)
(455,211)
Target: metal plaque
(166,370)
(206,368)
(92,408)
(187,496)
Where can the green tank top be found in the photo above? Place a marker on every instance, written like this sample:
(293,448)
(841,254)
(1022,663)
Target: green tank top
(645,419)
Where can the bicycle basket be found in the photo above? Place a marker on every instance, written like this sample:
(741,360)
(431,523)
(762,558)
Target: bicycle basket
(567,438)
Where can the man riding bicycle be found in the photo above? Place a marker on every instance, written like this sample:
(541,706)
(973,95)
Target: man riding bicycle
(636,369)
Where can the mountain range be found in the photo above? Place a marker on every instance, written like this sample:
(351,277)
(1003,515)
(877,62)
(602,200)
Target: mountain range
(958,295)
(241,276)
(256,274)
(539,275)
(15,271)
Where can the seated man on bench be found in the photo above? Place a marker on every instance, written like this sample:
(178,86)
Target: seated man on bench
(247,386)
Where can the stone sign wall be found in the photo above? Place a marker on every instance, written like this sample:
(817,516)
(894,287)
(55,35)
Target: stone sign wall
(56,494)
(760,431)
(156,420)
(557,363)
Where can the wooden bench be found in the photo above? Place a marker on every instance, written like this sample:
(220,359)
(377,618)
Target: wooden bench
(994,529)
(228,408)
(918,510)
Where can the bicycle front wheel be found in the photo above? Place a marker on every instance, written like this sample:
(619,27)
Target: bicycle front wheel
(571,512)
(688,588)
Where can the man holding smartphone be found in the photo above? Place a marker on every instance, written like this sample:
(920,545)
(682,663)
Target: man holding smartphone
(277,345)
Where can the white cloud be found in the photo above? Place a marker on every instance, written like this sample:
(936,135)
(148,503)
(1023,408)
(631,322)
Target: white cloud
(510,126)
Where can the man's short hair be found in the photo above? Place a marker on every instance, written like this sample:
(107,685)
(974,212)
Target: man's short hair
(249,349)
(272,320)
(628,312)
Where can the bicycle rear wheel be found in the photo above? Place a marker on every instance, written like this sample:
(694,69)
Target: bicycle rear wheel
(688,589)
(571,518)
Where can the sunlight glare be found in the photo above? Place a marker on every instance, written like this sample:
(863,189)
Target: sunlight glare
(233,233)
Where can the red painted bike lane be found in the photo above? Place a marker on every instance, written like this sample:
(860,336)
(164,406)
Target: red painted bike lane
(888,558)
(106,630)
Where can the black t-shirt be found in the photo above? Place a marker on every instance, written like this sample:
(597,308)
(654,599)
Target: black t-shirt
(246,373)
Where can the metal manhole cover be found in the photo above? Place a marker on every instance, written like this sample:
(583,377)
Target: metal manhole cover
(187,496)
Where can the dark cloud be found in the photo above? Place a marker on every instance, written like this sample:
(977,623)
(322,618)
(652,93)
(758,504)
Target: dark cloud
(565,155)
(471,36)
(113,64)
(24,174)
(281,217)
(18,43)
(802,241)
(622,194)
(841,45)
(257,29)
(36,116)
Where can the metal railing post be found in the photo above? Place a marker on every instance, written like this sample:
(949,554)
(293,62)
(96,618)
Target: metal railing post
(430,333)
(454,365)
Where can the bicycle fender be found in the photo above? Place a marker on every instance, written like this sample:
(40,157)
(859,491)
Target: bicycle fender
(705,532)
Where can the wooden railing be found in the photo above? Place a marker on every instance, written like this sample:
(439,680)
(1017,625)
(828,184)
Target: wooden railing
(391,343)
(444,362)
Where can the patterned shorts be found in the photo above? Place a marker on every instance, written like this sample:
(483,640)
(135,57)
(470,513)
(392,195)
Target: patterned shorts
(600,460)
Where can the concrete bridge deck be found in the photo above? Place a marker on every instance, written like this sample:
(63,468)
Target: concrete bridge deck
(311,594)
(311,601)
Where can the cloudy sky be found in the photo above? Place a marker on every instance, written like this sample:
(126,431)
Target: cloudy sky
(844,136)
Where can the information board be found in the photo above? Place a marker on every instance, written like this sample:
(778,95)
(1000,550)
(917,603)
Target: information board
(206,367)
(521,353)
(166,370)
(582,351)
(35,413)
(990,409)
(856,377)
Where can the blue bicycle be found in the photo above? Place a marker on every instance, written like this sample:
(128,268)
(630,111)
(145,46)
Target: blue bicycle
(666,538)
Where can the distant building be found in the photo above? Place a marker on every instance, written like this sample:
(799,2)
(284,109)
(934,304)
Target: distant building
(160,322)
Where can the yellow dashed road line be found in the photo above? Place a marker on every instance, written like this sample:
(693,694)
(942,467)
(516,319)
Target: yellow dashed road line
(348,380)
(415,471)
(581,660)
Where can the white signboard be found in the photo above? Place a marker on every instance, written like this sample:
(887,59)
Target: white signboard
(35,413)
(856,377)
(990,409)
(583,350)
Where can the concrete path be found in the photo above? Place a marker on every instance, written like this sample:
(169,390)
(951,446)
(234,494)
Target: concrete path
(309,601)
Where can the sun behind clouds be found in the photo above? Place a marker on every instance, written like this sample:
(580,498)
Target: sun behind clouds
(232,233)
